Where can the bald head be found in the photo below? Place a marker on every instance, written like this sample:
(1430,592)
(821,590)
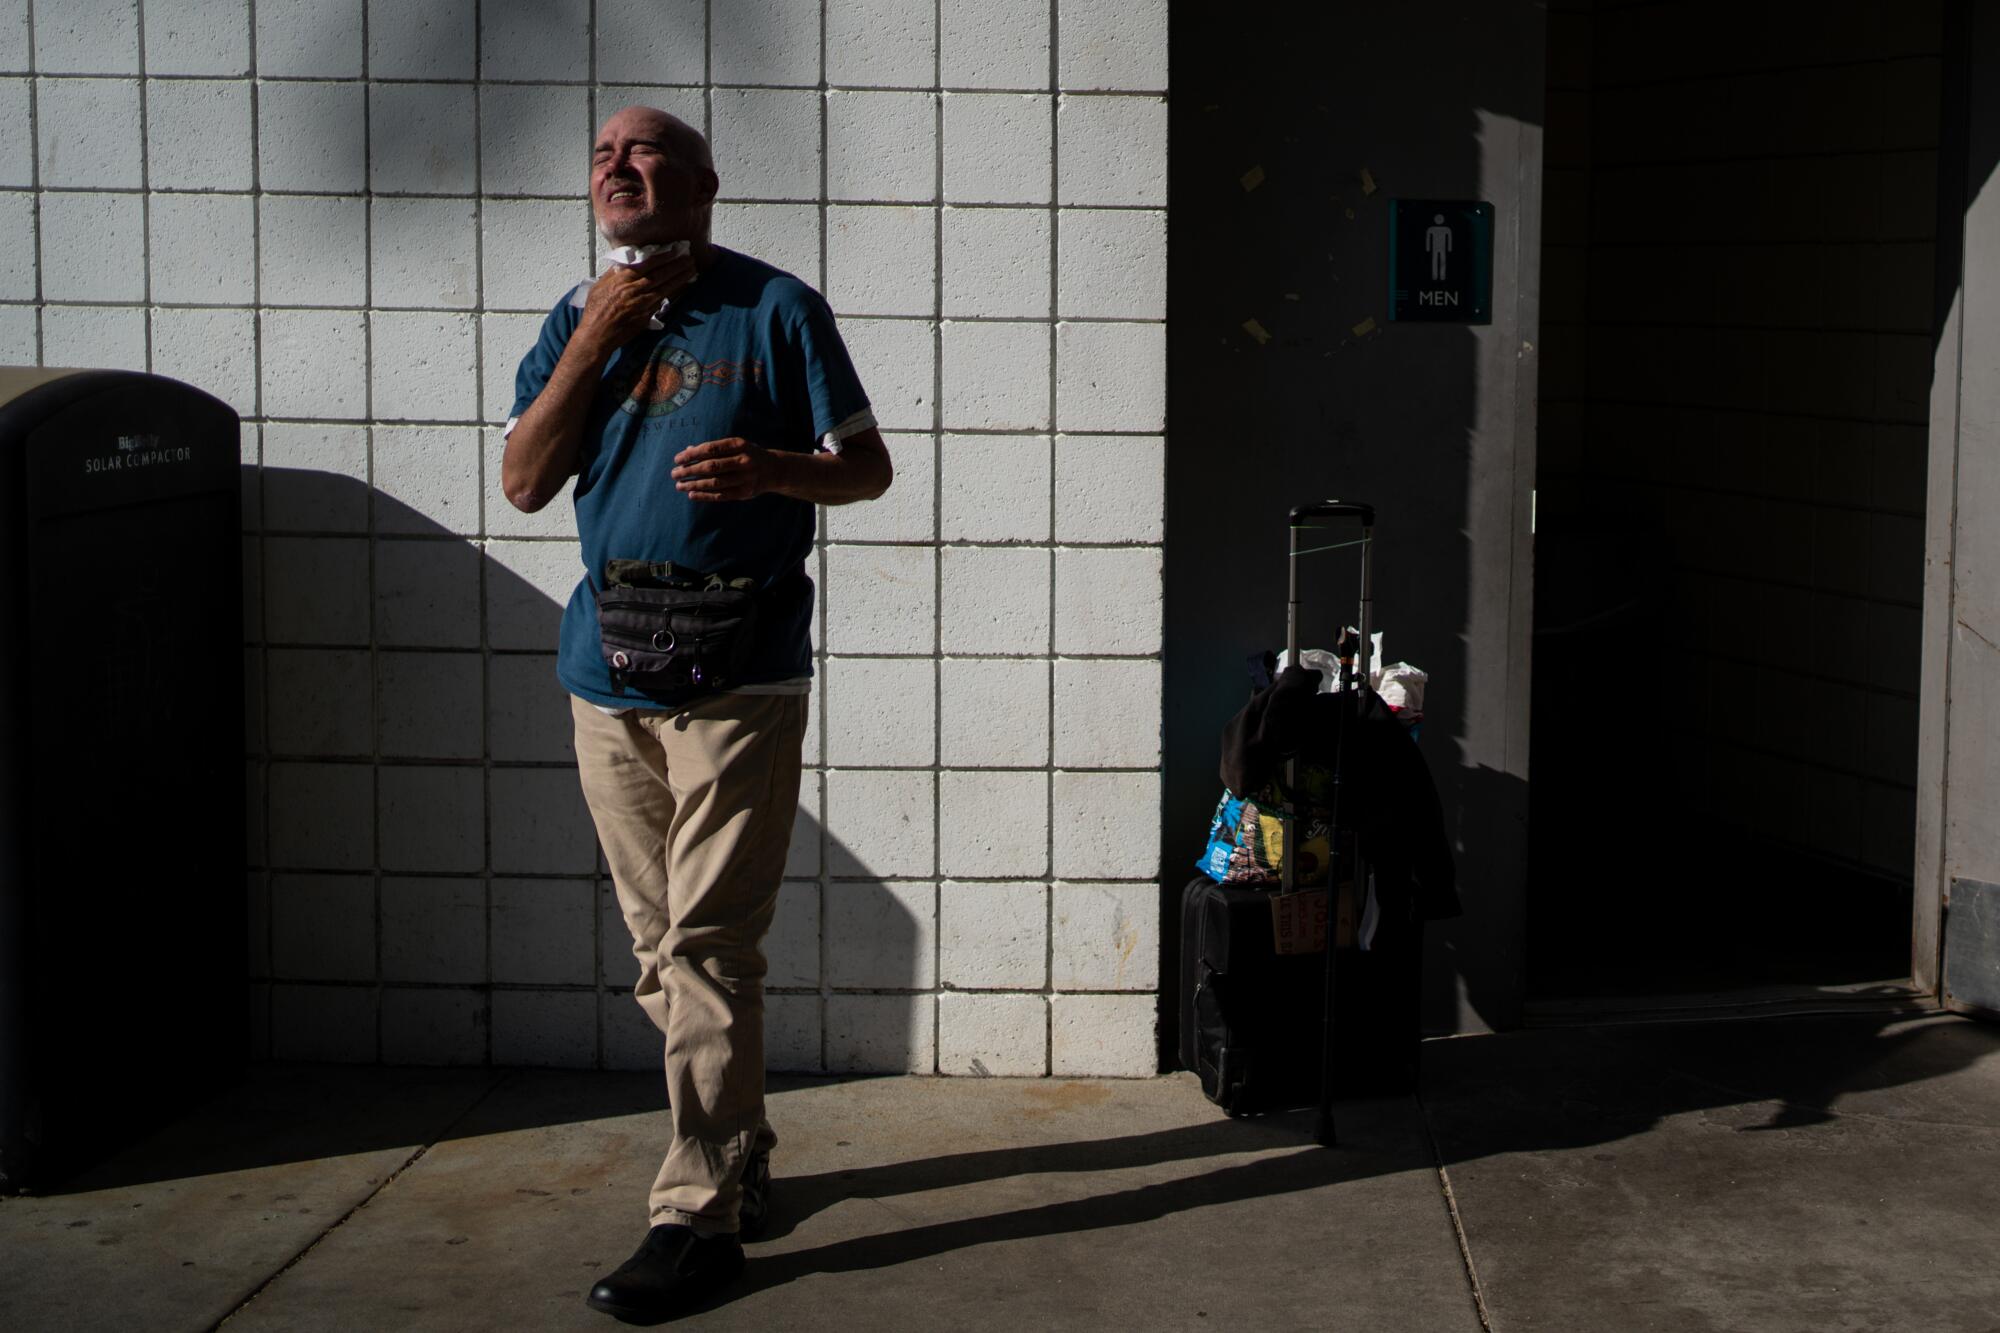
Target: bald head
(652,178)
(687,144)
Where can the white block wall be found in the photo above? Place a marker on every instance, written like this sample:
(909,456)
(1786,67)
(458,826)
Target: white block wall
(346,217)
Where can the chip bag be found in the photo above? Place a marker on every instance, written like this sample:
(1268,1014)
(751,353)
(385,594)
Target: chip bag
(1246,842)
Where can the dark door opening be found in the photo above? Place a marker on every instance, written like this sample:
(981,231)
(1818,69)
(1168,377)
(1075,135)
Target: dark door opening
(1740,227)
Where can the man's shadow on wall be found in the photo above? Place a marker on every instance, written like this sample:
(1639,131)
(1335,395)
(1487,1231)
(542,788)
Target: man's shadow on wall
(428,588)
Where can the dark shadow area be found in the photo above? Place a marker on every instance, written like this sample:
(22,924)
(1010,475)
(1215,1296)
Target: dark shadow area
(806,1195)
(1484,1098)
(1735,400)
(279,1114)
(1292,128)
(1304,1168)
(1569,1088)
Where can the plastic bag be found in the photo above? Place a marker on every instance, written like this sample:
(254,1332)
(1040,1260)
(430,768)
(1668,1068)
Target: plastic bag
(1246,843)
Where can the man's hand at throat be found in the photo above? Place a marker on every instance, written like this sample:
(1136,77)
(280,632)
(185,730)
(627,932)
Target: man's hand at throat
(629,298)
(729,469)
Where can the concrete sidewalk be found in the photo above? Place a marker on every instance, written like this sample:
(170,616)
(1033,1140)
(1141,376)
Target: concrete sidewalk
(1807,1173)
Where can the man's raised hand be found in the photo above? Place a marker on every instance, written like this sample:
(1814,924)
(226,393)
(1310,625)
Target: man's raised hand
(616,308)
(730,469)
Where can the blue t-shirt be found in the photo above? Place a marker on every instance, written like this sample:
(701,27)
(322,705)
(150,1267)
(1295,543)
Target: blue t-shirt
(750,351)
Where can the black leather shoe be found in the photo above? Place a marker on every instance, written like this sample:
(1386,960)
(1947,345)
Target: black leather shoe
(673,1270)
(754,1214)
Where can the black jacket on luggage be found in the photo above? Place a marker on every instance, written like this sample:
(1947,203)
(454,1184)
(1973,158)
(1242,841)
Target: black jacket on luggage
(1251,1018)
(1386,795)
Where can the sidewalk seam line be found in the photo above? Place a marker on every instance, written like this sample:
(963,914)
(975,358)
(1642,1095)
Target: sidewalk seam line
(371,1196)
(1457,1222)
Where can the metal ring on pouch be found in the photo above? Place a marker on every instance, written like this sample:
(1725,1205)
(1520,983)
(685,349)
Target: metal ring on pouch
(668,635)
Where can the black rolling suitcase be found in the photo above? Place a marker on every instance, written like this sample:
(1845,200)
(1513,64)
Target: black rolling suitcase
(1253,1020)
(1267,1030)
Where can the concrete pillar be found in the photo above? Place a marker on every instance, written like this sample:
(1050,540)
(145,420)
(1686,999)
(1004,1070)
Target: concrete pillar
(1958,788)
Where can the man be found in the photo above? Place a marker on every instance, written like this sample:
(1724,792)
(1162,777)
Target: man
(705,403)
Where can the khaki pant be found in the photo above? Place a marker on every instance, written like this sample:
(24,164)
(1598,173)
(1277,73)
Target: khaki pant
(694,810)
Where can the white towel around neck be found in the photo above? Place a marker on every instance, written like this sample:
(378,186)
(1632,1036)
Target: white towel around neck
(625,256)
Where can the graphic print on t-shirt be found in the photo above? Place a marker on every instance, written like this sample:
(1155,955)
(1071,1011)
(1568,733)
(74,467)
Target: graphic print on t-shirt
(670,377)
(728,372)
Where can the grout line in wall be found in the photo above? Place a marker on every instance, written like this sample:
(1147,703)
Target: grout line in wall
(1698,243)
(474,311)
(1006,319)
(987,655)
(937,533)
(145,187)
(349,423)
(374,589)
(1707,328)
(414,761)
(1725,409)
(1016,319)
(823,785)
(35,182)
(480,545)
(976,320)
(599,982)
(257,270)
(577,877)
(1055,310)
(262,652)
(587,877)
(804,992)
(740,85)
(798,201)
(1163,921)
(1041,766)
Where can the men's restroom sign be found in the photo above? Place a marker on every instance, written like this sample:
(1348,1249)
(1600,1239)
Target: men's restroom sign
(1441,261)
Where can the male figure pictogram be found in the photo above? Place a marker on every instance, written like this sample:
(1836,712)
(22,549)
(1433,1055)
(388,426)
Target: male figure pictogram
(1437,244)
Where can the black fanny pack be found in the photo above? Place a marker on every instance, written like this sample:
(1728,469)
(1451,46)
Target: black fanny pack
(666,629)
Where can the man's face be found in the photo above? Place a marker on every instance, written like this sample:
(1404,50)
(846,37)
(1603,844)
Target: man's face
(642,189)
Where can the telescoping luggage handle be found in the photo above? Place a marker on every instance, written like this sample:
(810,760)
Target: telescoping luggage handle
(1307,517)
(1302,521)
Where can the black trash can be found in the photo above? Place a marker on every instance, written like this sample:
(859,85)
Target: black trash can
(123,955)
